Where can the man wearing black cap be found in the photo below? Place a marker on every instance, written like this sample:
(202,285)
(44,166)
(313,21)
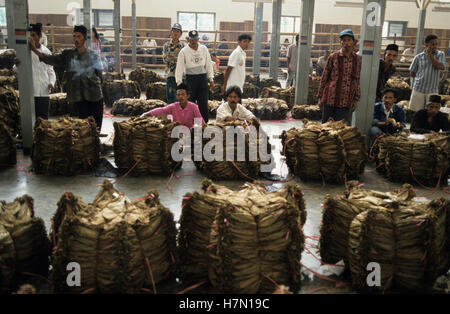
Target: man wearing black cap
(431,119)
(386,69)
(83,77)
(171,49)
(194,60)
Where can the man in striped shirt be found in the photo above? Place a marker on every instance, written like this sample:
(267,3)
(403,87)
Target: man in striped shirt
(425,70)
(171,49)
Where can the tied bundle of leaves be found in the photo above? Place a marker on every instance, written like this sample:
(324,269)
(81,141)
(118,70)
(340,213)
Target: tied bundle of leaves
(250,90)
(286,94)
(310,112)
(7,147)
(24,246)
(332,151)
(144,77)
(135,107)
(117,89)
(145,145)
(60,106)
(9,78)
(247,239)
(226,169)
(66,146)
(7,59)
(407,239)
(400,84)
(156,91)
(10,109)
(425,159)
(338,213)
(267,108)
(122,246)
(213,105)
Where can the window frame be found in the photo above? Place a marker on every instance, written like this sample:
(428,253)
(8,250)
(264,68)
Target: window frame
(196,19)
(404,28)
(295,17)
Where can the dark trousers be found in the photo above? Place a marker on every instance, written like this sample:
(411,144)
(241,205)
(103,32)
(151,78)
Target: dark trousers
(337,113)
(198,89)
(41,105)
(171,89)
(91,108)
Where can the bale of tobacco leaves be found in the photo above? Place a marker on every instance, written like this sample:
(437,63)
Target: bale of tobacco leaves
(9,78)
(66,146)
(242,241)
(7,147)
(338,213)
(59,106)
(10,109)
(156,91)
(224,169)
(132,107)
(401,85)
(117,89)
(24,246)
(409,114)
(332,152)
(144,77)
(313,88)
(267,82)
(445,99)
(213,105)
(286,94)
(252,79)
(111,76)
(415,158)
(444,87)
(310,112)
(216,93)
(144,145)
(122,246)
(407,239)
(250,91)
(218,77)
(267,108)
(7,57)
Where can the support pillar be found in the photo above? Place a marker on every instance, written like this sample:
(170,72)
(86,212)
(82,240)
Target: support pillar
(422,5)
(87,22)
(275,39)
(117,31)
(133,34)
(258,39)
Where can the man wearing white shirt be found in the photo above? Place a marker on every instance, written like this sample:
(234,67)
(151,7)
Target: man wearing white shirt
(232,109)
(44,77)
(150,43)
(235,72)
(194,61)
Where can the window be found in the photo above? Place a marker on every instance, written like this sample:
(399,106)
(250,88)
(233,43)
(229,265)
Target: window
(198,21)
(290,24)
(99,18)
(2,16)
(394,28)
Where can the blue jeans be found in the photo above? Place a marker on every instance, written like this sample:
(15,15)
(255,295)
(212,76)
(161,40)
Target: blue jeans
(171,89)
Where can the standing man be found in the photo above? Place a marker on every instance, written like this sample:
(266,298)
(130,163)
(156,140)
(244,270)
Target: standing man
(235,72)
(44,76)
(292,63)
(148,42)
(425,70)
(322,62)
(171,49)
(83,77)
(339,89)
(194,60)
(386,69)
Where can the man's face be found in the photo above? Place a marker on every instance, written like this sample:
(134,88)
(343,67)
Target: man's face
(432,45)
(347,43)
(78,39)
(244,44)
(390,56)
(35,37)
(433,108)
(182,96)
(388,99)
(193,43)
(175,34)
(233,99)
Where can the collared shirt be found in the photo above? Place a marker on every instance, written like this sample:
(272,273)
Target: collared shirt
(383,77)
(83,77)
(240,112)
(237,74)
(339,84)
(43,74)
(420,122)
(184,116)
(427,76)
(171,50)
(380,114)
(194,62)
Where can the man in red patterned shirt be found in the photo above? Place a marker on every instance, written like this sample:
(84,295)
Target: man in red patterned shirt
(339,89)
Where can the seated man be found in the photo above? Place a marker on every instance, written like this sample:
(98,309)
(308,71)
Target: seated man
(388,117)
(232,109)
(431,119)
(182,111)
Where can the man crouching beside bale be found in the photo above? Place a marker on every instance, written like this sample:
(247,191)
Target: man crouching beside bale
(83,77)
(232,109)
(431,119)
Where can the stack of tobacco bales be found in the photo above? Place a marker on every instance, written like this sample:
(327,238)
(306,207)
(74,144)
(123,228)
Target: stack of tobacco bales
(405,237)
(24,246)
(7,58)
(250,91)
(135,107)
(242,241)
(408,112)
(122,246)
(216,94)
(310,112)
(60,106)
(117,89)
(9,78)
(332,151)
(7,146)
(212,107)
(252,80)
(267,108)
(412,157)
(66,146)
(268,82)
(157,91)
(10,109)
(248,139)
(314,82)
(401,85)
(144,77)
(111,76)
(145,144)
(286,94)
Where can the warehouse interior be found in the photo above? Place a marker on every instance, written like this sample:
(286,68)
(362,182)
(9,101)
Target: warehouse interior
(267,22)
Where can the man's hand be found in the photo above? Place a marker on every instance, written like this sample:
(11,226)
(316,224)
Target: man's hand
(211,85)
(429,52)
(145,114)
(319,104)
(229,118)
(398,125)
(388,121)
(50,87)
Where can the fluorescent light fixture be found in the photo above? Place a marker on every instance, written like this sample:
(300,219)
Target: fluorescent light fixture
(347,4)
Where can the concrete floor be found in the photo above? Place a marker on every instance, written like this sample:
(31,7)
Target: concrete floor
(46,191)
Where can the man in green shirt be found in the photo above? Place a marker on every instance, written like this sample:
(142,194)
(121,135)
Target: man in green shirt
(83,75)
